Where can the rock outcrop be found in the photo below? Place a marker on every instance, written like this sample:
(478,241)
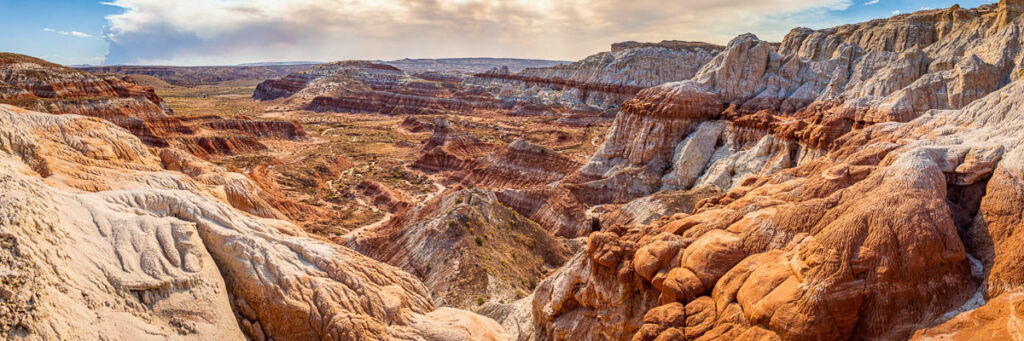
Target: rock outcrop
(1002,318)
(40,85)
(521,164)
(461,158)
(554,207)
(450,150)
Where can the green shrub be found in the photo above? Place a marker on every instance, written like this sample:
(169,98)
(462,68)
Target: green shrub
(479,241)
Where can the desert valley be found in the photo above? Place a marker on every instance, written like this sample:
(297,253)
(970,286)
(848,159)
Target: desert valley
(858,182)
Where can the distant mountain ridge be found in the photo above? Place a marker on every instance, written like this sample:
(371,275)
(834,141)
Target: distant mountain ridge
(280,63)
(199,75)
(468,65)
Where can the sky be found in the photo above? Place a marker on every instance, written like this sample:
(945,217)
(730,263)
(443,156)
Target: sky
(227,32)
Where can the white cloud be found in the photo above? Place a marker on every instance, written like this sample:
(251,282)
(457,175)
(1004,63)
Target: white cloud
(872,2)
(896,12)
(231,31)
(78,34)
(68,33)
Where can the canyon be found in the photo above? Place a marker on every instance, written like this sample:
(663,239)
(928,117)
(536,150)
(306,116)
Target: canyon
(858,182)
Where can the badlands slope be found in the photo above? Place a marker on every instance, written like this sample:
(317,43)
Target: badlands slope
(160,255)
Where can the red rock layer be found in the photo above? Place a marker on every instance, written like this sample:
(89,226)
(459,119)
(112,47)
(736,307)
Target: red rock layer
(404,101)
(295,210)
(252,193)
(262,129)
(415,125)
(276,88)
(450,151)
(42,79)
(207,146)
(555,208)
(383,197)
(520,165)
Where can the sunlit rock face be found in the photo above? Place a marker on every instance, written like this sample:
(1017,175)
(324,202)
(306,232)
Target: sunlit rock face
(757,108)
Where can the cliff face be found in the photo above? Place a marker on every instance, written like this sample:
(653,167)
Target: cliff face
(604,80)
(754,110)
(869,170)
